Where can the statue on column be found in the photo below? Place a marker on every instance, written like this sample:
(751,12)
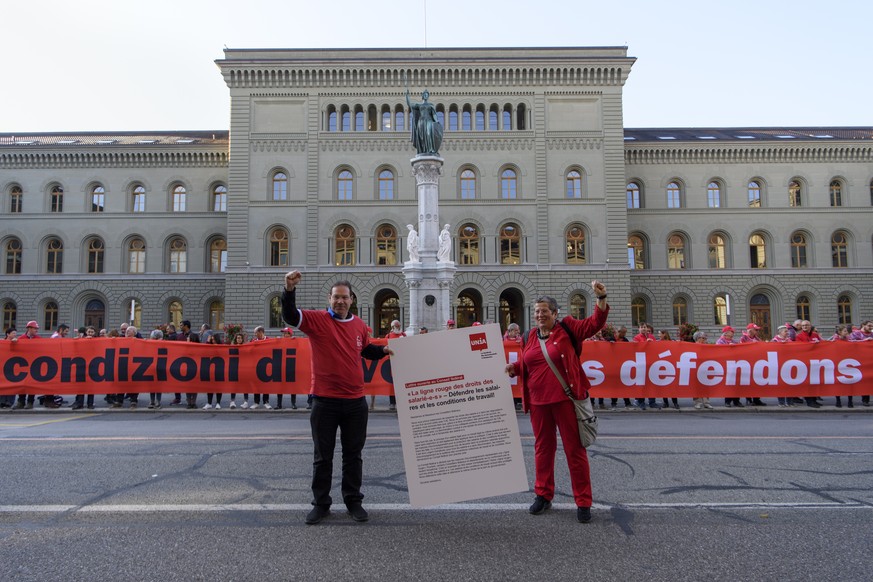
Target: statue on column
(444,254)
(427,132)
(412,243)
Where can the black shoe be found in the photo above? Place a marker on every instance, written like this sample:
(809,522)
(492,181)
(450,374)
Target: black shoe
(318,513)
(357,512)
(539,505)
(90,407)
(813,404)
(759,402)
(293,407)
(77,406)
(583,514)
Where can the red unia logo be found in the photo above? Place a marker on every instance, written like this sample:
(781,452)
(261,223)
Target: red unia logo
(478,342)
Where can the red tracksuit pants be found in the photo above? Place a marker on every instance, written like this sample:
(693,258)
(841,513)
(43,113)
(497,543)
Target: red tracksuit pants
(545,418)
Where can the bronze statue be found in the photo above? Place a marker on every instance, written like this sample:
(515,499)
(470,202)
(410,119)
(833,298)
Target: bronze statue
(427,132)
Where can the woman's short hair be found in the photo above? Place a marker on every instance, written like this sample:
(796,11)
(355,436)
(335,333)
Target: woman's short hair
(550,301)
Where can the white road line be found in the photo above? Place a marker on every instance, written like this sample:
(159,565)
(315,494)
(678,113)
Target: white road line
(401,507)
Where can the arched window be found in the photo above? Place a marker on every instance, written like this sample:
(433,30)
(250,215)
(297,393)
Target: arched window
(280,186)
(386,185)
(386,245)
(840,249)
(218,256)
(717,254)
(798,251)
(636,252)
(216,314)
(178,255)
(279,247)
(219,199)
(468,184)
(578,306)
(50,315)
(676,251)
(95,255)
(492,119)
(720,310)
(803,307)
(95,313)
(510,245)
(56,202)
(674,195)
(180,198)
(844,310)
(574,184)
(345,245)
(174,312)
(453,118)
(386,120)
(347,119)
(331,118)
(575,245)
(634,198)
(639,311)
(507,118)
(466,119)
(399,119)
(136,256)
(54,264)
(508,184)
(344,185)
(275,308)
(468,244)
(10,313)
(757,251)
(387,310)
(98,199)
(480,118)
(359,118)
(16,199)
(137,199)
(469,308)
(836,191)
(680,310)
(794,194)
(754,190)
(13,256)
(713,195)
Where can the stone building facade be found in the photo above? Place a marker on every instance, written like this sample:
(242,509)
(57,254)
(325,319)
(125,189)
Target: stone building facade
(543,187)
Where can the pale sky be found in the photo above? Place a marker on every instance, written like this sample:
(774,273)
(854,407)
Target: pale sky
(100,65)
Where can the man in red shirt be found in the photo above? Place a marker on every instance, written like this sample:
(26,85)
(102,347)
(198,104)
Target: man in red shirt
(338,340)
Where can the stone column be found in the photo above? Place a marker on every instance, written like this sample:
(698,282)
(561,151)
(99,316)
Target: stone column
(429,281)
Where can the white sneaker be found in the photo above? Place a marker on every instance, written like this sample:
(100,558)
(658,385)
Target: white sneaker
(245,404)
(698,406)
(268,407)
(217,406)
(253,406)
(207,407)
(708,405)
(232,405)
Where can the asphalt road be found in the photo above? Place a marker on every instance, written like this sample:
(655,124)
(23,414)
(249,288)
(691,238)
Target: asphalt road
(723,495)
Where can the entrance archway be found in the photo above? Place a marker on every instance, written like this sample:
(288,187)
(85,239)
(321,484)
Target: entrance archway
(95,314)
(387,310)
(469,307)
(511,308)
(759,314)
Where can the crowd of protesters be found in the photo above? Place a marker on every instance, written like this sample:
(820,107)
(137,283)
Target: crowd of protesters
(799,331)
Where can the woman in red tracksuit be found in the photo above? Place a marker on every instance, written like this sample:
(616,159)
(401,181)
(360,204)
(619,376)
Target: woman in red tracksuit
(548,404)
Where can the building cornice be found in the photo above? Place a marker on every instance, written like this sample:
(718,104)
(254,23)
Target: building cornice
(652,154)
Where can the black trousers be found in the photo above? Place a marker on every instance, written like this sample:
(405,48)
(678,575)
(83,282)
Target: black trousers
(350,417)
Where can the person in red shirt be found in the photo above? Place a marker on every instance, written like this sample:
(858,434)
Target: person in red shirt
(808,335)
(646,335)
(749,337)
(339,339)
(548,362)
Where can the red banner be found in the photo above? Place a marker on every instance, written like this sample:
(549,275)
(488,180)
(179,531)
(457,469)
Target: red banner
(282,366)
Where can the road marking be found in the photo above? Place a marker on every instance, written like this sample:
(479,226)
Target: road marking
(308,437)
(29,423)
(404,507)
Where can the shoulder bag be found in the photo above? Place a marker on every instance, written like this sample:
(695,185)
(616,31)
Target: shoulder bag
(585,416)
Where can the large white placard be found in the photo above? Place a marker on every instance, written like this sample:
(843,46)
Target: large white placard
(457,418)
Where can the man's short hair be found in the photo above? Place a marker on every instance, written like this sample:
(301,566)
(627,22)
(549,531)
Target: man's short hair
(63,326)
(342,283)
(186,323)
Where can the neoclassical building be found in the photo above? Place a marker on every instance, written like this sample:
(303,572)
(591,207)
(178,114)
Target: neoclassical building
(543,186)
